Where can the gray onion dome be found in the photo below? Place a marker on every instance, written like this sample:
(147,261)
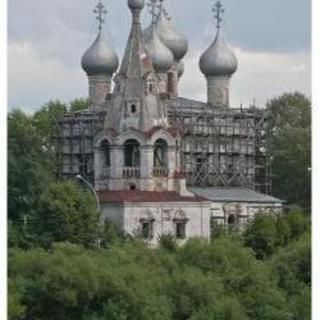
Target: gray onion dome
(218,59)
(180,69)
(136,4)
(100,58)
(171,37)
(162,58)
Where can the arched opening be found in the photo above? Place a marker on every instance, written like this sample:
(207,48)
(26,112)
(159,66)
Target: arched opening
(232,220)
(105,150)
(131,159)
(131,153)
(160,158)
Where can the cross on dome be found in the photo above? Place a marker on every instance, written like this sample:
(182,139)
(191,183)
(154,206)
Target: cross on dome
(218,10)
(155,8)
(100,11)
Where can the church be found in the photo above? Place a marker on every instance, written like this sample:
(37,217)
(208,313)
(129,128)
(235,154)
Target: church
(160,163)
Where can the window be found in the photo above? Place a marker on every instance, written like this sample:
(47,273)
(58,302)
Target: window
(83,165)
(105,148)
(131,153)
(133,108)
(231,220)
(160,156)
(147,232)
(181,230)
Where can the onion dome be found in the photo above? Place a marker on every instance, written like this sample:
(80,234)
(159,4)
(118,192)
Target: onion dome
(218,59)
(180,69)
(100,58)
(162,58)
(136,4)
(171,37)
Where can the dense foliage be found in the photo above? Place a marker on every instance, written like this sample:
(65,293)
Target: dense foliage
(63,265)
(129,280)
(291,148)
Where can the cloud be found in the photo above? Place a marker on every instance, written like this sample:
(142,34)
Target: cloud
(261,75)
(34,80)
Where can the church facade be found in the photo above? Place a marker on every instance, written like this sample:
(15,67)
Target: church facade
(161,163)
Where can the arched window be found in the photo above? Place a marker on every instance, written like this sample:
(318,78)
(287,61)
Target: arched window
(131,153)
(232,220)
(105,148)
(160,154)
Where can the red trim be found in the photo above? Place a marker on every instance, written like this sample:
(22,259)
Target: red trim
(145,196)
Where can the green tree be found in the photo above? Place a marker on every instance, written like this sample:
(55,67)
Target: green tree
(66,212)
(243,277)
(291,148)
(292,269)
(78,105)
(261,235)
(30,168)
(16,309)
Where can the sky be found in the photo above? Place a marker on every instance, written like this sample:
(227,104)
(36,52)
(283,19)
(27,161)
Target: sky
(46,40)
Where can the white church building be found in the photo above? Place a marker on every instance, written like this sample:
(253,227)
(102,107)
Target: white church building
(146,178)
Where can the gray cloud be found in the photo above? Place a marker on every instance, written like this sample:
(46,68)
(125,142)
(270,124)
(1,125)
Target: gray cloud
(47,39)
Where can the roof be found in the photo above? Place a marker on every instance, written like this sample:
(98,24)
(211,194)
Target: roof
(234,194)
(145,196)
(191,106)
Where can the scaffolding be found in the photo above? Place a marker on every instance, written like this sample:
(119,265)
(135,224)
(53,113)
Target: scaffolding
(76,143)
(218,146)
(224,147)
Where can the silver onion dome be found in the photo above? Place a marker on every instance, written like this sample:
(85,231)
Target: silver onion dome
(180,69)
(100,58)
(162,58)
(171,37)
(136,4)
(218,59)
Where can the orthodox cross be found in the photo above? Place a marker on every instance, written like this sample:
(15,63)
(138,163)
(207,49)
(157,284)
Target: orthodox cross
(155,8)
(100,11)
(218,10)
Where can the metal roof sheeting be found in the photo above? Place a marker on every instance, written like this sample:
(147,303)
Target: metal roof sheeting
(233,194)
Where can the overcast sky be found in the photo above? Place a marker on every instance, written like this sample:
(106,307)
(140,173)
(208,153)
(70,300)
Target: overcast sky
(271,39)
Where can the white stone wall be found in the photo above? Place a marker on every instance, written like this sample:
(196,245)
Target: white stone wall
(244,211)
(130,216)
(113,212)
(164,215)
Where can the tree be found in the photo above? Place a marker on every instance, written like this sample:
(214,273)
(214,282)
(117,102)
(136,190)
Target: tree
(66,212)
(32,161)
(291,148)
(292,269)
(261,235)
(78,104)
(30,168)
